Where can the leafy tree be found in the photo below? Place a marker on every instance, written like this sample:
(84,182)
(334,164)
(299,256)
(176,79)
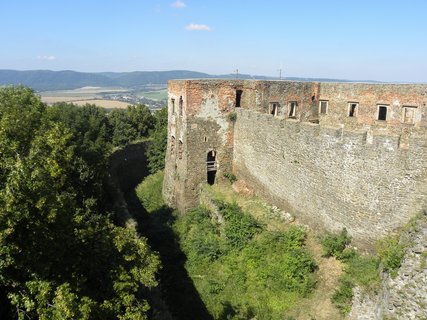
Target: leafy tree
(156,150)
(90,136)
(20,116)
(61,256)
(130,124)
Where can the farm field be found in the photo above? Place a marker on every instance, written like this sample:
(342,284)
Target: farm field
(153,97)
(108,104)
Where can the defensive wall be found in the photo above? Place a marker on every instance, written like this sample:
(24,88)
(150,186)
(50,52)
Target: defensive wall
(335,155)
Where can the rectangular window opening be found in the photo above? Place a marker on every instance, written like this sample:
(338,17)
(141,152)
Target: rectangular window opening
(274,108)
(238,97)
(352,109)
(172,143)
(173,105)
(382,113)
(180,149)
(323,106)
(181,102)
(409,114)
(292,109)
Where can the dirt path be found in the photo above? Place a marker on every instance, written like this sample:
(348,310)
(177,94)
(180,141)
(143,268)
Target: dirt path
(319,306)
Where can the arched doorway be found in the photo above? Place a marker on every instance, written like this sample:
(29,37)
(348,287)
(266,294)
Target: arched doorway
(211,167)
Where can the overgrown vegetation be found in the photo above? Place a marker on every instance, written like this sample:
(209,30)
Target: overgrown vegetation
(242,270)
(335,245)
(148,192)
(365,270)
(61,254)
(391,253)
(230,177)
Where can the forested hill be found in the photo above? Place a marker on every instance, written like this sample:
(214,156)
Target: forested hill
(46,80)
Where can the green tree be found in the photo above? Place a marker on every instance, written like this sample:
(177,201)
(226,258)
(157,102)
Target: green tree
(90,136)
(156,150)
(130,124)
(61,255)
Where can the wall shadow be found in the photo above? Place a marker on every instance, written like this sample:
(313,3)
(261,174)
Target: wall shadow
(129,167)
(177,288)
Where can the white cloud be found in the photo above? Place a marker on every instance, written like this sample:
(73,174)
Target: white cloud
(178,4)
(50,58)
(197,27)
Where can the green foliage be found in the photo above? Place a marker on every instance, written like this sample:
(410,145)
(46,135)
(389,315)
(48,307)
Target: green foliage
(199,237)
(149,192)
(391,253)
(157,148)
(61,256)
(239,228)
(90,137)
(130,124)
(363,271)
(230,176)
(342,298)
(334,245)
(359,270)
(241,270)
(232,116)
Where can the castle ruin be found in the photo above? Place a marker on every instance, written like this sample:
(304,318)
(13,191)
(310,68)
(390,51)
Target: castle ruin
(335,155)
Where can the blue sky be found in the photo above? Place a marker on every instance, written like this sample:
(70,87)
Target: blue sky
(346,39)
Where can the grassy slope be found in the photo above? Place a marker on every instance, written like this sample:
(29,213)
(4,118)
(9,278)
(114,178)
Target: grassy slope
(237,283)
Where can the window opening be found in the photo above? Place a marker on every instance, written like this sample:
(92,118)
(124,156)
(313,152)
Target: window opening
(172,143)
(382,113)
(409,114)
(180,149)
(352,110)
(274,108)
(238,97)
(181,102)
(211,167)
(292,109)
(173,105)
(323,107)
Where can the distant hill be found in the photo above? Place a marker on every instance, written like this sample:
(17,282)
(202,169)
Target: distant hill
(46,80)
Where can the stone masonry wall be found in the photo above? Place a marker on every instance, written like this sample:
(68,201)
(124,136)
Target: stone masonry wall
(332,178)
(200,127)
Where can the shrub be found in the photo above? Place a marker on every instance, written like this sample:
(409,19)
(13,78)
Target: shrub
(230,176)
(391,253)
(199,237)
(232,116)
(149,192)
(359,270)
(343,296)
(239,227)
(334,245)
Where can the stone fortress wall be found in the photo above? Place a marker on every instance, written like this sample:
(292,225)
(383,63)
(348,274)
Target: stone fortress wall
(336,155)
